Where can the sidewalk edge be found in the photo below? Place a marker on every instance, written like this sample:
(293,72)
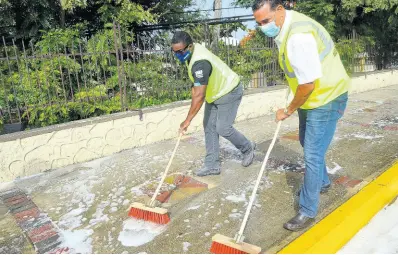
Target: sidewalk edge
(336,229)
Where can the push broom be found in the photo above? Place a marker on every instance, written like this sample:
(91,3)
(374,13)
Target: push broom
(149,212)
(225,245)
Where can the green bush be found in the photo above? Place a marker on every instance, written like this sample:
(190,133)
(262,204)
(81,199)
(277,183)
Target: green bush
(350,50)
(254,55)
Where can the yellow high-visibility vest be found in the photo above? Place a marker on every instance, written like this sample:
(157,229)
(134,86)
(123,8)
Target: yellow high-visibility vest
(334,81)
(222,79)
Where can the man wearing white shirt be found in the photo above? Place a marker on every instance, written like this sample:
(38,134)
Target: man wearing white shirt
(319,81)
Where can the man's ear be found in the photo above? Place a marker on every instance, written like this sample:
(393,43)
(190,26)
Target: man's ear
(279,7)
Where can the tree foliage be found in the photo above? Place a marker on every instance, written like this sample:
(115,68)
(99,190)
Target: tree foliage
(375,21)
(30,18)
(25,18)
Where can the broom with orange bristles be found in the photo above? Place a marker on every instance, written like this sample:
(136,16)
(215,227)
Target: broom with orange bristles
(225,245)
(149,212)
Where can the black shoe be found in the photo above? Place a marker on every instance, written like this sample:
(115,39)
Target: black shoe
(298,222)
(324,189)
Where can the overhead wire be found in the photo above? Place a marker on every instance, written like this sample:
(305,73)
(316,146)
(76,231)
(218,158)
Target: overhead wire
(212,21)
(208,10)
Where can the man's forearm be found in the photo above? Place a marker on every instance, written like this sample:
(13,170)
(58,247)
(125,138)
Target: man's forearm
(302,94)
(196,104)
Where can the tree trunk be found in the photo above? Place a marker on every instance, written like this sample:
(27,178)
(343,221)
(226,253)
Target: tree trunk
(62,18)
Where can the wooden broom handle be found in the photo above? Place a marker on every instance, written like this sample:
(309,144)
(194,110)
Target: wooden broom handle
(151,203)
(239,236)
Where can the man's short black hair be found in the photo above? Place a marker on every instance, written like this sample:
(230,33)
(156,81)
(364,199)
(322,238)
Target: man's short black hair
(260,3)
(182,37)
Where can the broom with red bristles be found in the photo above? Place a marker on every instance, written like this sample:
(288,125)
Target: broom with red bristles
(149,212)
(226,245)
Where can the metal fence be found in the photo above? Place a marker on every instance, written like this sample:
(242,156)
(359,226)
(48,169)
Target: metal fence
(361,55)
(62,78)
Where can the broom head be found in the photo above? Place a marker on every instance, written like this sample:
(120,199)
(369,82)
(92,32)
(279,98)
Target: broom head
(225,245)
(156,215)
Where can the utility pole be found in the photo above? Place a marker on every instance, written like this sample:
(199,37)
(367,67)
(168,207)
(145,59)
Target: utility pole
(217,5)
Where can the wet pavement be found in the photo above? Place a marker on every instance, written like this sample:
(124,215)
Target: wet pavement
(88,203)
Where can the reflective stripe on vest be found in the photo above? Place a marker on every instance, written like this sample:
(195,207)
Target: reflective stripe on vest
(328,44)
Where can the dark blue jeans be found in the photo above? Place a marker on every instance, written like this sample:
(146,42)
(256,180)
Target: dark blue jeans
(317,128)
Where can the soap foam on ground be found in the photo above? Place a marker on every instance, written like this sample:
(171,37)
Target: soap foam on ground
(138,232)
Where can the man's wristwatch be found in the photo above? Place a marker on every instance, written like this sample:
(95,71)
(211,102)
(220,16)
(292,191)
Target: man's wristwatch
(285,112)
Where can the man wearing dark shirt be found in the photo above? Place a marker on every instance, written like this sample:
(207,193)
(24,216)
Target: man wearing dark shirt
(201,71)
(215,83)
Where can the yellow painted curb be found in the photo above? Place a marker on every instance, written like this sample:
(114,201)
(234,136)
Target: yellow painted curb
(336,229)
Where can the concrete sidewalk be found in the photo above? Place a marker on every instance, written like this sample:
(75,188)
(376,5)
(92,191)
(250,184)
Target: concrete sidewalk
(89,202)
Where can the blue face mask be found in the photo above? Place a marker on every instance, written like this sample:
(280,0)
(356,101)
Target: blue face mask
(183,56)
(270,29)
